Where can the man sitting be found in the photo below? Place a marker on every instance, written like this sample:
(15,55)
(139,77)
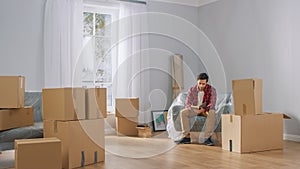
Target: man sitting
(201,101)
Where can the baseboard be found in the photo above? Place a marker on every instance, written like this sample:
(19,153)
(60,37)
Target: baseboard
(291,137)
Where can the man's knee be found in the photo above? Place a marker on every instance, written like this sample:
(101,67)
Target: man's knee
(211,114)
(184,112)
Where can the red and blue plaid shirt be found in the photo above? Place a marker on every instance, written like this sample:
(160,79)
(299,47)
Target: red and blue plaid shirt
(210,97)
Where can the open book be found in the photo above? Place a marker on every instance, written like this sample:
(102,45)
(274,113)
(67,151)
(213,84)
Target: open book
(195,107)
(203,105)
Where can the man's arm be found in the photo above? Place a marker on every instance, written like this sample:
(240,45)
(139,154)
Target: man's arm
(189,99)
(212,99)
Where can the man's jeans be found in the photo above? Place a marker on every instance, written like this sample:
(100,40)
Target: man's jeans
(185,116)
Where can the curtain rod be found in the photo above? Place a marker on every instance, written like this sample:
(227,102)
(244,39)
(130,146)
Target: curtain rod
(134,1)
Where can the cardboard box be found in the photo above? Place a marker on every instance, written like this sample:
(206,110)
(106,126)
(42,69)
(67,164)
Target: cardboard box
(63,104)
(252,133)
(12,91)
(127,126)
(144,132)
(96,103)
(42,153)
(14,118)
(82,141)
(247,96)
(127,107)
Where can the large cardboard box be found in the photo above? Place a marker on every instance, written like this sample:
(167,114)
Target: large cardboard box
(96,103)
(12,91)
(63,104)
(82,141)
(13,118)
(247,96)
(127,126)
(44,153)
(252,133)
(127,107)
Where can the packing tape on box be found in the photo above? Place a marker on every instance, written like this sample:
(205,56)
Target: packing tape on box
(95,157)
(55,127)
(82,158)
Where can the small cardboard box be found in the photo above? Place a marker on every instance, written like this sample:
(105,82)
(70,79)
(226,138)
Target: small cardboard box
(63,104)
(82,141)
(96,103)
(44,153)
(144,132)
(127,107)
(13,118)
(12,91)
(247,96)
(252,133)
(127,126)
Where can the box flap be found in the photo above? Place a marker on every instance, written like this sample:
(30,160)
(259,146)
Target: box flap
(284,115)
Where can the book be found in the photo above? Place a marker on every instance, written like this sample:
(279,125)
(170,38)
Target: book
(203,105)
(195,107)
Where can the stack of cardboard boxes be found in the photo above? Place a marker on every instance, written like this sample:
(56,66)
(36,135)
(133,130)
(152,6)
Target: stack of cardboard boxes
(249,129)
(75,116)
(13,113)
(29,153)
(127,111)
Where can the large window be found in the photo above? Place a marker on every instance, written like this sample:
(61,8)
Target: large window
(97,31)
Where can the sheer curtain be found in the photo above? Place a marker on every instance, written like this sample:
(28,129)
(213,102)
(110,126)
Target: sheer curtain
(132,75)
(62,41)
(130,45)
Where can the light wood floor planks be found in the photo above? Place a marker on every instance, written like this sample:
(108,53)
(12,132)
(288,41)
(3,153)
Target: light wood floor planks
(191,156)
(200,156)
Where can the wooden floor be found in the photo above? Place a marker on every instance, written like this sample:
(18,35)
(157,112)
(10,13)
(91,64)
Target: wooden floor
(193,156)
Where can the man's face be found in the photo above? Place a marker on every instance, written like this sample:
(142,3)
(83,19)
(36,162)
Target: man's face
(202,84)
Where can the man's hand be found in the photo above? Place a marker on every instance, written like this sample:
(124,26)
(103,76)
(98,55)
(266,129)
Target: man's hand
(201,111)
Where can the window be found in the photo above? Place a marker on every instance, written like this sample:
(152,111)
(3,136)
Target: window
(99,34)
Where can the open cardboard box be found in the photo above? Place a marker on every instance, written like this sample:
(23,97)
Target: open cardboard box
(252,133)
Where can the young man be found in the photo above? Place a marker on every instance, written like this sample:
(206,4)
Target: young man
(202,96)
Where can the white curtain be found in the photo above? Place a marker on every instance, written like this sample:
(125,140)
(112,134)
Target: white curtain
(132,74)
(62,41)
(131,42)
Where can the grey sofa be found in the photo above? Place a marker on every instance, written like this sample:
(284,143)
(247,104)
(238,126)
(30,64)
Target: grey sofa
(7,137)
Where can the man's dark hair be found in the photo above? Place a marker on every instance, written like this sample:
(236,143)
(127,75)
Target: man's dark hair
(202,76)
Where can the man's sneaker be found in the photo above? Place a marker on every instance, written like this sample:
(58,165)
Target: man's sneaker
(184,140)
(208,142)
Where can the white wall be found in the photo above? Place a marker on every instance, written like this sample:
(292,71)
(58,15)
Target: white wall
(260,38)
(161,80)
(21,40)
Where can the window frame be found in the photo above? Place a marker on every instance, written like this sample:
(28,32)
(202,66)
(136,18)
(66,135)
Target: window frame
(113,10)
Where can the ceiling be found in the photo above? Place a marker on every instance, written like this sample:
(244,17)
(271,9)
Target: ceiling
(196,3)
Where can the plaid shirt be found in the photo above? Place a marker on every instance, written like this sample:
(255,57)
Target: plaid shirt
(210,97)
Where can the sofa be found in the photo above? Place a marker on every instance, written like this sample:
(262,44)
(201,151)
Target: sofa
(7,137)
(224,105)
